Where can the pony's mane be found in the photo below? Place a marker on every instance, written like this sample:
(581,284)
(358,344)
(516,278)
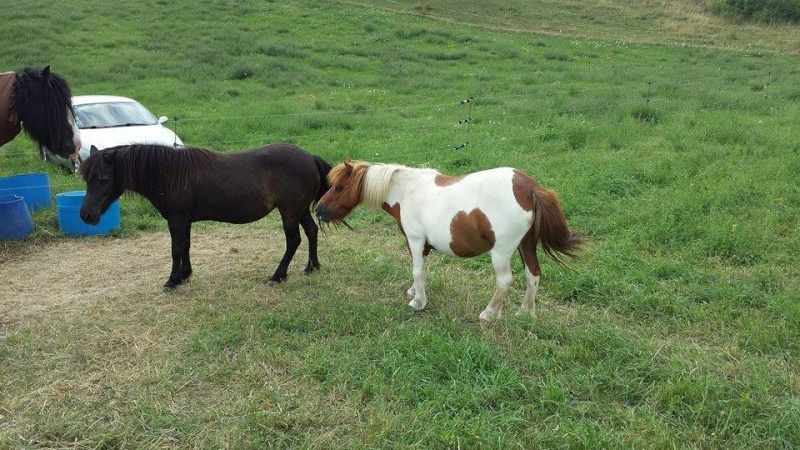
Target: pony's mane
(369,182)
(42,101)
(151,169)
(376,182)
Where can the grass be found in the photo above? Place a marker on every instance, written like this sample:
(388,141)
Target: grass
(673,149)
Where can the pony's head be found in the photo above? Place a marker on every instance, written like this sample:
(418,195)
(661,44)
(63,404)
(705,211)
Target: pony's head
(102,185)
(43,101)
(346,192)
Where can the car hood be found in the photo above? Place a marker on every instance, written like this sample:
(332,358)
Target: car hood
(111,137)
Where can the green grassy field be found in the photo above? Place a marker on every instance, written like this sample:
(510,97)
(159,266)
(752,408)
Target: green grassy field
(671,137)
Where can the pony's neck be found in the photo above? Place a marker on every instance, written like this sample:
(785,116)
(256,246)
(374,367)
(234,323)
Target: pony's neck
(377,182)
(393,183)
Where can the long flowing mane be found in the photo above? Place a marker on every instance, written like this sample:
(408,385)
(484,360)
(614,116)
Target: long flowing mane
(376,183)
(43,100)
(368,182)
(151,169)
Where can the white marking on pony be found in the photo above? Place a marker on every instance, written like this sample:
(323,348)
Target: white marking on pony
(76,135)
(419,298)
(494,310)
(529,302)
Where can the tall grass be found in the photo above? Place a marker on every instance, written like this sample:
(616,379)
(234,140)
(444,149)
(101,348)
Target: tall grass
(678,327)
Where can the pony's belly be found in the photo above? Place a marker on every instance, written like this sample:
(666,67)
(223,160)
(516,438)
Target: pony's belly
(473,232)
(442,246)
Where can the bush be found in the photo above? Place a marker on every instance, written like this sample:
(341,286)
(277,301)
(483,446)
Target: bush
(760,10)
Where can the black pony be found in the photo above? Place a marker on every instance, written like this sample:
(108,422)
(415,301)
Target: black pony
(40,102)
(192,184)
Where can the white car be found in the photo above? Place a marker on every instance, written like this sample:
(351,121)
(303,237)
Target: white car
(107,121)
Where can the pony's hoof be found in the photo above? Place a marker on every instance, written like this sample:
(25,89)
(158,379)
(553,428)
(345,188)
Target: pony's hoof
(272,282)
(488,316)
(524,312)
(170,286)
(417,304)
(310,268)
(485,324)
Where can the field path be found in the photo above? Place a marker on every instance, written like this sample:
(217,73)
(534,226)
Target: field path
(63,277)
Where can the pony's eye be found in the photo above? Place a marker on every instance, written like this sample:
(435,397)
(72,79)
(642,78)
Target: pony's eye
(338,189)
(104,181)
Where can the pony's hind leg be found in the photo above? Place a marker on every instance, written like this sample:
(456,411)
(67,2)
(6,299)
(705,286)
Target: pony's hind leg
(186,263)
(312,230)
(502,268)
(532,275)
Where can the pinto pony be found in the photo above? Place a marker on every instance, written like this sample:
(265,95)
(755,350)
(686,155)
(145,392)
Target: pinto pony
(496,211)
(192,184)
(40,102)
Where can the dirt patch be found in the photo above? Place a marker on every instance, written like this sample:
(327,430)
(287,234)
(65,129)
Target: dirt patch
(62,277)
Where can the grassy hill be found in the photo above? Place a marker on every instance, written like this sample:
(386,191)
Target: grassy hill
(669,134)
(682,22)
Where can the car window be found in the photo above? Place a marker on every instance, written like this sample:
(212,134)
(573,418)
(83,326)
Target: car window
(106,115)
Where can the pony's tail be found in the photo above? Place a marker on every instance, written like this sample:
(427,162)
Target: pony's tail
(550,226)
(324,169)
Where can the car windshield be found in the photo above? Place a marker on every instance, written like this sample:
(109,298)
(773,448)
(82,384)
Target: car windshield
(108,115)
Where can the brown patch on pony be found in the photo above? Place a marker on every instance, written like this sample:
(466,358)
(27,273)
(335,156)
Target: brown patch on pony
(471,233)
(444,180)
(550,226)
(9,123)
(347,188)
(349,177)
(527,250)
(523,187)
(549,223)
(394,211)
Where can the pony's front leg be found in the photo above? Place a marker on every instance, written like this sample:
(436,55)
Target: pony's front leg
(180,232)
(502,268)
(417,291)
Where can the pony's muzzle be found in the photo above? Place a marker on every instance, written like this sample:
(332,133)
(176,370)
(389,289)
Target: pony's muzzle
(323,213)
(90,218)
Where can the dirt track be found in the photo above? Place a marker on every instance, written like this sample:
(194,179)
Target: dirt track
(64,276)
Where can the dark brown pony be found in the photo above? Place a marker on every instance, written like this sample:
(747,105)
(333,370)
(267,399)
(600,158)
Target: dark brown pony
(40,102)
(192,184)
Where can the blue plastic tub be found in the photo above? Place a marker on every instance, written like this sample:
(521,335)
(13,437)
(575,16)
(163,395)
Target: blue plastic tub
(33,187)
(69,205)
(15,219)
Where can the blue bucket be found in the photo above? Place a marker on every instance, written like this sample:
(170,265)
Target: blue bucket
(15,219)
(33,187)
(69,205)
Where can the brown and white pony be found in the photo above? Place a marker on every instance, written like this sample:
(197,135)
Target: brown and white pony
(40,102)
(496,211)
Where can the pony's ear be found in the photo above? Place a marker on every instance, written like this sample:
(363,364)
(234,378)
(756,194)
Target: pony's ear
(109,155)
(348,165)
(93,150)
(46,72)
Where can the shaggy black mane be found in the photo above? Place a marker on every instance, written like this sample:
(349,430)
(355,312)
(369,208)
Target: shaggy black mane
(152,168)
(43,100)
